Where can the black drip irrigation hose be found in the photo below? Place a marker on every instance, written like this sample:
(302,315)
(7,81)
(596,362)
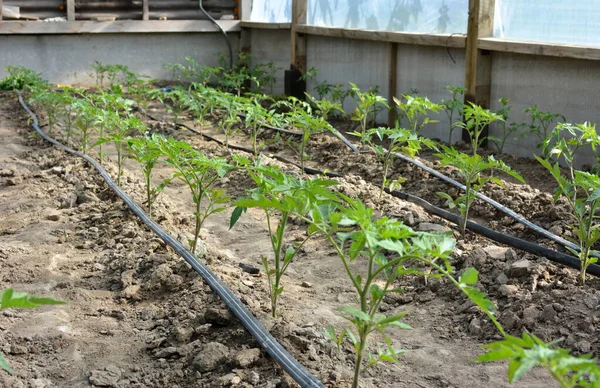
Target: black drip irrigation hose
(222,30)
(501,238)
(308,170)
(300,374)
(495,204)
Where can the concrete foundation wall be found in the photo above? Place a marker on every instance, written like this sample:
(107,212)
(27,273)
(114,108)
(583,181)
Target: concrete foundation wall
(428,70)
(67,58)
(340,61)
(272,45)
(567,86)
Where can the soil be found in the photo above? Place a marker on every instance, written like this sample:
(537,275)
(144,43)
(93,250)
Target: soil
(138,316)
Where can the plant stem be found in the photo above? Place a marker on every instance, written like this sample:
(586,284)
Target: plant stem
(149,193)
(359,356)
(198,223)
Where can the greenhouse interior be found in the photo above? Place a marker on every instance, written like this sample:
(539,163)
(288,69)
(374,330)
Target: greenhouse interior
(299,193)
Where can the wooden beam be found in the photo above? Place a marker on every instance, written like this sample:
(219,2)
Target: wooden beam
(299,12)
(392,80)
(145,10)
(417,38)
(70,10)
(245,7)
(537,48)
(0,9)
(266,26)
(116,27)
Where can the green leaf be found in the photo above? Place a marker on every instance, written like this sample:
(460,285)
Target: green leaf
(391,319)
(469,276)
(355,313)
(4,364)
(11,299)
(235,215)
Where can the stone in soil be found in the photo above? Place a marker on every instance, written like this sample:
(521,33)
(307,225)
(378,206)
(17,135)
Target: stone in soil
(107,377)
(210,356)
(519,268)
(245,358)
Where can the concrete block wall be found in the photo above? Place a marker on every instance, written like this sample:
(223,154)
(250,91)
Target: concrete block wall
(272,45)
(68,58)
(567,86)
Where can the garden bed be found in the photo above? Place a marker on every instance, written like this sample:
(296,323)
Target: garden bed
(138,316)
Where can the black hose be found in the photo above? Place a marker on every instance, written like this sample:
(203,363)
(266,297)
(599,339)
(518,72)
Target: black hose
(308,170)
(222,30)
(495,204)
(300,374)
(515,242)
(501,238)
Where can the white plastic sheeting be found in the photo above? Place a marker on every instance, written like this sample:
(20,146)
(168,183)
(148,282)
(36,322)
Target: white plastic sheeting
(429,16)
(271,11)
(556,21)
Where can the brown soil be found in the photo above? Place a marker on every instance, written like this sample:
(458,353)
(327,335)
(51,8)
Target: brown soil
(138,316)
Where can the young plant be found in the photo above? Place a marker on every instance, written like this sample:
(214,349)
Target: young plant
(123,126)
(472,169)
(111,106)
(324,107)
(453,107)
(580,189)
(358,239)
(51,102)
(279,193)
(507,130)
(475,120)
(256,115)
(231,107)
(174,103)
(265,74)
(309,125)
(367,106)
(529,351)
(339,94)
(398,140)
(540,125)
(146,151)
(199,172)
(85,115)
(415,109)
(202,101)
(12,299)
(22,78)
(68,97)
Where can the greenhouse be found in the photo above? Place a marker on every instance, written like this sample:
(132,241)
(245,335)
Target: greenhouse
(299,193)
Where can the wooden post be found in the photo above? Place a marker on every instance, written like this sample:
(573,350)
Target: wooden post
(0,9)
(478,69)
(145,10)
(298,40)
(245,8)
(392,80)
(70,10)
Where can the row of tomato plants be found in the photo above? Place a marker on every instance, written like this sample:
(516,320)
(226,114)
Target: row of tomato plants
(388,249)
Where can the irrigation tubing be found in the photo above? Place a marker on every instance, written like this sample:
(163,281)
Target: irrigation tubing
(501,238)
(222,30)
(300,374)
(308,170)
(447,179)
(495,204)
